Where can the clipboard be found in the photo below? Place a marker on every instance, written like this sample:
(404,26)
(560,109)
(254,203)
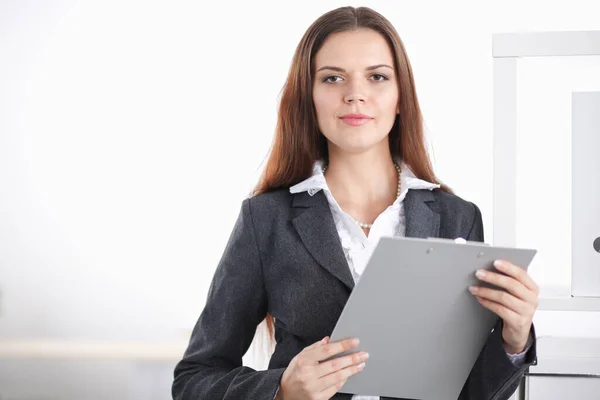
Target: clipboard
(415,316)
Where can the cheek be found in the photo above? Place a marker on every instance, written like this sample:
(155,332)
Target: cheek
(389,100)
(324,102)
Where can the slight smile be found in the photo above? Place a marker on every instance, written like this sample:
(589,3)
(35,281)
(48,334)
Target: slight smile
(355,119)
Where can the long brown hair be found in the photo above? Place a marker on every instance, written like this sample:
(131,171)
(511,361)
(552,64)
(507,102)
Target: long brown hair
(298,142)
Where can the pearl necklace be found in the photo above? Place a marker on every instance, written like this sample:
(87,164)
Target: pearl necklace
(363,224)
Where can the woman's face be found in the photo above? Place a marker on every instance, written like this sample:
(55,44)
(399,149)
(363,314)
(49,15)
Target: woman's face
(354,74)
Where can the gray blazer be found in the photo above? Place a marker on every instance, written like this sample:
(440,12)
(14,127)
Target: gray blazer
(284,257)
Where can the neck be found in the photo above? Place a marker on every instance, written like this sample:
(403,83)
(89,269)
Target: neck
(362,179)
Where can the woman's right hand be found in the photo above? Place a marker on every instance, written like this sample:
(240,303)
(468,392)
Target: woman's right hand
(307,378)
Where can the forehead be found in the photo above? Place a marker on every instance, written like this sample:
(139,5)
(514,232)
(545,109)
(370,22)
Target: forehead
(362,47)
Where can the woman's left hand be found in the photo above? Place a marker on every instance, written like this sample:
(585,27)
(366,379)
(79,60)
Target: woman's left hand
(516,306)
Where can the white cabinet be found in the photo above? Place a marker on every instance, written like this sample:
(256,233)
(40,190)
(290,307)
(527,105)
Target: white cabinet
(562,387)
(567,368)
(546,164)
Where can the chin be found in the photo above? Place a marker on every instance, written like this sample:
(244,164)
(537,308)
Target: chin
(357,147)
(359,143)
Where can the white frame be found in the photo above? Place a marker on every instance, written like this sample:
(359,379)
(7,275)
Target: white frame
(508,48)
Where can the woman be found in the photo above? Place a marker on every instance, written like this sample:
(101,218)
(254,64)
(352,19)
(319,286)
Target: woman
(348,165)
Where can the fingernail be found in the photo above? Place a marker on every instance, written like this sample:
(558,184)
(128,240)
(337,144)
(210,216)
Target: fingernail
(355,341)
(473,289)
(498,264)
(324,340)
(365,356)
(361,366)
(480,273)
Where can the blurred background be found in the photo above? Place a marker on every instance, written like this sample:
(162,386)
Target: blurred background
(130,132)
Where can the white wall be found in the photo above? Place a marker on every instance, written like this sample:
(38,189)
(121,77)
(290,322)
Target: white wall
(131,131)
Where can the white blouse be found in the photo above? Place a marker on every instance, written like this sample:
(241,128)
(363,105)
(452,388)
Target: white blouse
(391,222)
(357,246)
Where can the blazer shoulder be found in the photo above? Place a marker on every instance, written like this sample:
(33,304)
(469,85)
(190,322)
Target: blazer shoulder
(454,203)
(460,216)
(270,203)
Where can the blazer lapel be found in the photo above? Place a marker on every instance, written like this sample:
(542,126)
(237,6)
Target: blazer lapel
(314,223)
(421,221)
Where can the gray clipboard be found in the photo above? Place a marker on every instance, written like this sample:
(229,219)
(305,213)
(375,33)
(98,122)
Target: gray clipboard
(414,315)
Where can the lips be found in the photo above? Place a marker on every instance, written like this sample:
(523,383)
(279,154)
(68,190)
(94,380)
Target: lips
(355,119)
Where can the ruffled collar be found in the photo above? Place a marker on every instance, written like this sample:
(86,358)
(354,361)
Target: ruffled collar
(317,182)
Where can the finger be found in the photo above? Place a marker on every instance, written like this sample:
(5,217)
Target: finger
(508,316)
(331,349)
(318,343)
(330,366)
(506,282)
(305,358)
(505,299)
(331,391)
(518,273)
(338,378)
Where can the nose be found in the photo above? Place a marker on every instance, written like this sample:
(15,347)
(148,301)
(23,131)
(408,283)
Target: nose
(355,95)
(354,98)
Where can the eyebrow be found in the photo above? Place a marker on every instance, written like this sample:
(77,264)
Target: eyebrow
(371,68)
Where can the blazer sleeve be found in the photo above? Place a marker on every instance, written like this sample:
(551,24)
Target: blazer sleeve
(494,376)
(211,367)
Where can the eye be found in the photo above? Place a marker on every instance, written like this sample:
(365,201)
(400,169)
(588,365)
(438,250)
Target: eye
(327,79)
(379,77)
